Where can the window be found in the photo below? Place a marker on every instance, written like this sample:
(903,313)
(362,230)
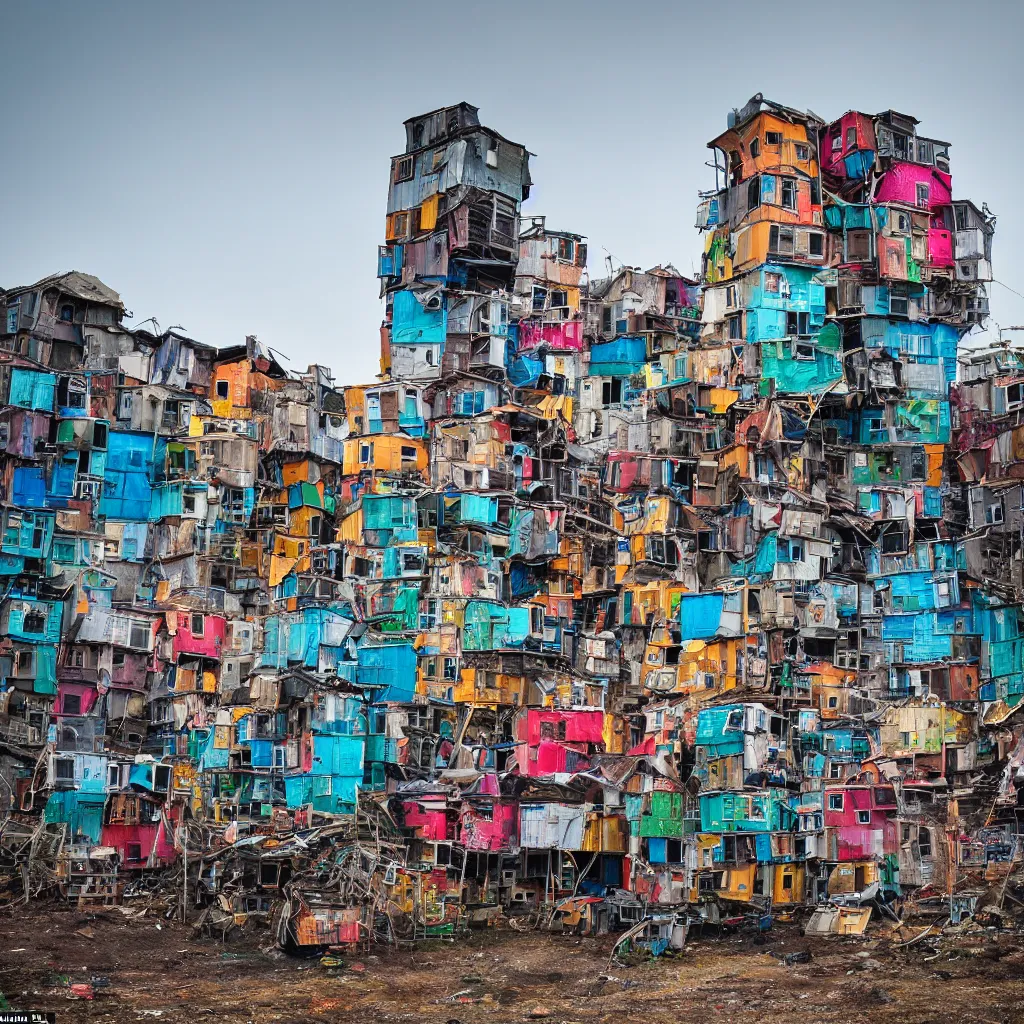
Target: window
(782,240)
(899,301)
(922,194)
(802,153)
(223,389)
(559,299)
(753,193)
(863,817)
(403,168)
(815,192)
(851,137)
(789,193)
(611,391)
(730,296)
(773,138)
(34,622)
(540,299)
(67,313)
(755,147)
(197,627)
(72,704)
(994,512)
(566,250)
(816,243)
(925,152)
(835,801)
(924,841)
(858,246)
(408,453)
(139,635)
(798,324)
(365,453)
(837,141)
(735,327)
(133,851)
(188,504)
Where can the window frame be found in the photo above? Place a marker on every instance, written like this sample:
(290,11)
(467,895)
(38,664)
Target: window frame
(404,168)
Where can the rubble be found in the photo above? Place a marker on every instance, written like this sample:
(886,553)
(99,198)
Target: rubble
(637,605)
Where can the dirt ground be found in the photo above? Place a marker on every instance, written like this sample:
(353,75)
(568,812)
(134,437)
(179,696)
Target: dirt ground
(146,969)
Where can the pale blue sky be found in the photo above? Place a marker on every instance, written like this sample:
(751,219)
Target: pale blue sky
(224,165)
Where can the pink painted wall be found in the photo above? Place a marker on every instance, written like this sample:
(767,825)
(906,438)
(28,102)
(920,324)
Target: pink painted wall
(429,820)
(495,833)
(209,645)
(580,726)
(940,244)
(899,185)
(564,337)
(855,838)
(857,842)
(832,161)
(133,672)
(83,690)
(147,836)
(489,784)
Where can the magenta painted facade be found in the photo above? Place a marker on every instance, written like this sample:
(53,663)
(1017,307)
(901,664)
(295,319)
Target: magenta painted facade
(200,635)
(135,843)
(558,742)
(490,826)
(429,818)
(864,825)
(564,337)
(75,698)
(940,244)
(838,143)
(572,726)
(900,183)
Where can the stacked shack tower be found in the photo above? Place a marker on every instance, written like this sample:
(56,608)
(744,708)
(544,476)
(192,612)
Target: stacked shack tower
(633,597)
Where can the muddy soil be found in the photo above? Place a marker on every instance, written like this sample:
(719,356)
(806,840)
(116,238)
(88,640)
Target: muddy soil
(148,969)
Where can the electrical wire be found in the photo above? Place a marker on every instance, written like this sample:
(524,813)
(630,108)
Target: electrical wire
(1008,288)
